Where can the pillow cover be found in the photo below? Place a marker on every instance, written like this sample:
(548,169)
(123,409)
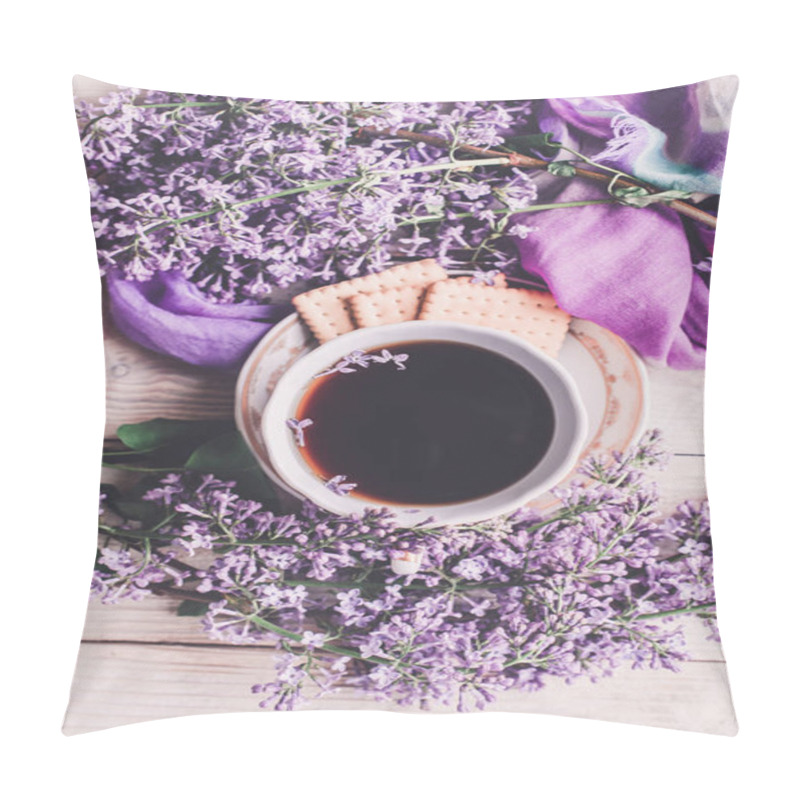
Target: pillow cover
(404,406)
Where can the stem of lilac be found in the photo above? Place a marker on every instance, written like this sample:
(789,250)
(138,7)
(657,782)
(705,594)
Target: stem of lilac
(296,637)
(131,468)
(609,547)
(226,530)
(499,211)
(92,121)
(681,207)
(659,648)
(317,185)
(587,160)
(183,105)
(673,612)
(153,532)
(116,453)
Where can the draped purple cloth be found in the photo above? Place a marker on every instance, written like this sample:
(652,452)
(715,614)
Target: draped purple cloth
(633,270)
(170,315)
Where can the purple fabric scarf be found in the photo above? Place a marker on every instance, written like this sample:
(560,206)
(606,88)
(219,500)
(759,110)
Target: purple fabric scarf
(632,270)
(169,314)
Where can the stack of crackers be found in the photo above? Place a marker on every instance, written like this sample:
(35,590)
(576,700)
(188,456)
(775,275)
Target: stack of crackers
(423,290)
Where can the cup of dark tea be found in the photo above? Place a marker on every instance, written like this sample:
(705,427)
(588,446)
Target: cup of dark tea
(429,419)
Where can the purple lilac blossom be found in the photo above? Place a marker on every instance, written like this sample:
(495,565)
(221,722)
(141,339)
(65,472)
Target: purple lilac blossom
(297,426)
(506,604)
(220,190)
(217,202)
(125,574)
(346,365)
(359,359)
(338,485)
(484,277)
(386,356)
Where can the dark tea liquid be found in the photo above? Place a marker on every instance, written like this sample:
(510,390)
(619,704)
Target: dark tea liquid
(460,422)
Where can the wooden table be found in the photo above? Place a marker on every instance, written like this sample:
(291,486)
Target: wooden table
(139,661)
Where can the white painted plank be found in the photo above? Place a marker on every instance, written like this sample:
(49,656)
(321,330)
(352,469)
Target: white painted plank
(683,479)
(150,620)
(141,385)
(121,684)
(676,408)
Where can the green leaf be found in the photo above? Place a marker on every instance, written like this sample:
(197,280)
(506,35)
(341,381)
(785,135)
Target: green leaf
(110,491)
(222,454)
(561,169)
(157,433)
(228,457)
(533,141)
(642,199)
(192,608)
(139,510)
(254,485)
(630,191)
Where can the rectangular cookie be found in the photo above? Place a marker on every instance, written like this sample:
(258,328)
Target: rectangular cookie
(402,303)
(398,304)
(532,315)
(326,310)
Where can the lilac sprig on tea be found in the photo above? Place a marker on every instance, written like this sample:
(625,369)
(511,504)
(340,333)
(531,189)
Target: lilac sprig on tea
(338,485)
(598,583)
(298,426)
(358,358)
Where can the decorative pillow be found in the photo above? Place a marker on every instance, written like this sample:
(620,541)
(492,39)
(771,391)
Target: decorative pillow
(404,406)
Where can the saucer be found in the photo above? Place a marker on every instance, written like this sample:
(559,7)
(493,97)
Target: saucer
(611,381)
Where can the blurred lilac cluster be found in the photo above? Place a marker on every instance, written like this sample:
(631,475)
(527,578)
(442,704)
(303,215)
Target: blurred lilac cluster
(597,583)
(241,196)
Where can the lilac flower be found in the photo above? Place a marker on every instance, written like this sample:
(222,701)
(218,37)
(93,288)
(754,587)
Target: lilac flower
(433,617)
(198,186)
(520,231)
(337,484)
(704,265)
(123,574)
(358,358)
(355,359)
(385,356)
(312,640)
(297,426)
(485,277)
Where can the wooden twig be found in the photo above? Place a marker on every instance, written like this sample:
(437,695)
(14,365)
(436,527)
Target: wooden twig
(520,160)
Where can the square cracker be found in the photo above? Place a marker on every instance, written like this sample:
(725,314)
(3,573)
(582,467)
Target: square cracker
(326,310)
(530,314)
(387,306)
(399,304)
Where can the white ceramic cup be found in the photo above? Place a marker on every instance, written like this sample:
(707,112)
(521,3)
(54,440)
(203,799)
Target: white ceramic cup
(569,434)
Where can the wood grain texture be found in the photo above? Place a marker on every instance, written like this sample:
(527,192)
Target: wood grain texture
(141,385)
(683,478)
(676,408)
